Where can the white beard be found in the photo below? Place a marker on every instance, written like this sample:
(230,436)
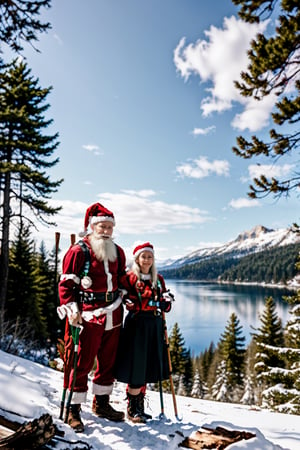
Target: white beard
(104,248)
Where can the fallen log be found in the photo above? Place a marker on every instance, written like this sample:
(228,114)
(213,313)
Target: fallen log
(28,436)
(214,438)
(39,433)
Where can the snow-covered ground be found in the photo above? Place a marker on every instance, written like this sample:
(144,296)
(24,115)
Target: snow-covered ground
(30,390)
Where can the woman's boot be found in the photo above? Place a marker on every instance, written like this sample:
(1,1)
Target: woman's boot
(140,400)
(133,409)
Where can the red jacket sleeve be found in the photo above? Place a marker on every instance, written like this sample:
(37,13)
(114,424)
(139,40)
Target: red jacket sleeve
(73,263)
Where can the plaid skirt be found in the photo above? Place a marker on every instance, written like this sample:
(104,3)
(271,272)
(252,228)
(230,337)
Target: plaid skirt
(142,355)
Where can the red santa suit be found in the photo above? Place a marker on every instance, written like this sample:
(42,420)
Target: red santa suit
(102,313)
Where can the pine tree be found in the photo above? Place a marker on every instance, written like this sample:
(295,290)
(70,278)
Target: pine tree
(188,372)
(268,337)
(273,69)
(177,349)
(206,359)
(47,290)
(181,390)
(25,294)
(198,390)
(284,392)
(178,354)
(24,154)
(219,390)
(250,395)
(213,370)
(18,21)
(232,353)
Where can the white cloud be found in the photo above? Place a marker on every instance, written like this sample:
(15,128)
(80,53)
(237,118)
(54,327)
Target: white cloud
(142,193)
(239,203)
(136,212)
(269,170)
(219,60)
(203,131)
(256,114)
(202,168)
(93,149)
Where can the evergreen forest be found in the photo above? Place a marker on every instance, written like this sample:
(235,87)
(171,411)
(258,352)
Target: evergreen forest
(275,266)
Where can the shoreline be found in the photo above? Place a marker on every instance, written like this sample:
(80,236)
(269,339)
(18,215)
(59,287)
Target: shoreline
(293,287)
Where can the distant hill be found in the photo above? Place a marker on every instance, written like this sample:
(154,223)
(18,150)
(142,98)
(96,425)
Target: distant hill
(258,255)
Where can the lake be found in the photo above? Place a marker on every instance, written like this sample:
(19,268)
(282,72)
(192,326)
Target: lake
(202,310)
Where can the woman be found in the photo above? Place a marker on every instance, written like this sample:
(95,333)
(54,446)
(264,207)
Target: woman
(142,352)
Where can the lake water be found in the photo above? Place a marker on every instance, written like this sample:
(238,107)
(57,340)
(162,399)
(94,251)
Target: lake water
(202,310)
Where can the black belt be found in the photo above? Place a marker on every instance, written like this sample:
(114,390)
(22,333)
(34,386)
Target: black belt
(93,297)
(146,313)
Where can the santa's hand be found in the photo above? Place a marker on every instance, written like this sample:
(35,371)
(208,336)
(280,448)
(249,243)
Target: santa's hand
(75,319)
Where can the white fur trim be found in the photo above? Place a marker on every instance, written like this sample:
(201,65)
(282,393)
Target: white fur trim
(145,249)
(79,397)
(108,310)
(70,276)
(68,309)
(108,276)
(97,219)
(145,276)
(98,389)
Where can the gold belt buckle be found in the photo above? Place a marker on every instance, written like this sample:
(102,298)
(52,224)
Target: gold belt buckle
(108,296)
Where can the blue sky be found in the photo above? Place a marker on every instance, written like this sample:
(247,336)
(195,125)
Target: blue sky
(147,113)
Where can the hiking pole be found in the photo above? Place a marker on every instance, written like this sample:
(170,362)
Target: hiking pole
(170,366)
(68,358)
(75,336)
(66,369)
(160,357)
(162,410)
(57,238)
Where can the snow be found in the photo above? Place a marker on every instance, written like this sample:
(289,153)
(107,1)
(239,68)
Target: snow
(29,390)
(256,240)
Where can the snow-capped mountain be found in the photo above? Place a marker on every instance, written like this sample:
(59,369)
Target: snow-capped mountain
(256,240)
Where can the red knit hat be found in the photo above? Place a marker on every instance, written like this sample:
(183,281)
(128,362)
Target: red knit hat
(146,247)
(94,214)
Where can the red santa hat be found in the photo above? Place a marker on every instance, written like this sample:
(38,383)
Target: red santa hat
(94,214)
(146,247)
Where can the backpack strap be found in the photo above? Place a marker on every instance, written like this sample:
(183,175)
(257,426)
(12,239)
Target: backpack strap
(87,258)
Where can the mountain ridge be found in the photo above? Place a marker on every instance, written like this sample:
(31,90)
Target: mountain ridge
(258,239)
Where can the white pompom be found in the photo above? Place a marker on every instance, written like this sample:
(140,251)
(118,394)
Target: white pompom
(86,282)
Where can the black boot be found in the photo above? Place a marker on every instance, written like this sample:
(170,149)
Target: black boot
(102,408)
(74,419)
(140,401)
(134,412)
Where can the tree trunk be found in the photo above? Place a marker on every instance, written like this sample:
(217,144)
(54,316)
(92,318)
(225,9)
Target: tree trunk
(4,249)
